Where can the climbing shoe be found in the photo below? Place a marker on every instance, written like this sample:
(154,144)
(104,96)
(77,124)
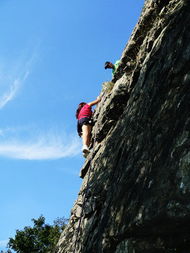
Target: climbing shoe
(85,150)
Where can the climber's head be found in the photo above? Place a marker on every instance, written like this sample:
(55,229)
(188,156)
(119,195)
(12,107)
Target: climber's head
(108,65)
(80,106)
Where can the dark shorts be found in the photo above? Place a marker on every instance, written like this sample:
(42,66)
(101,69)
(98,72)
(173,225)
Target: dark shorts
(81,122)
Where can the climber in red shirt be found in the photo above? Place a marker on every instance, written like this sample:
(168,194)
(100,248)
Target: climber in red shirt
(85,123)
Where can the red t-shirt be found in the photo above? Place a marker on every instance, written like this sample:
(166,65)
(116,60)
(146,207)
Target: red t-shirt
(85,112)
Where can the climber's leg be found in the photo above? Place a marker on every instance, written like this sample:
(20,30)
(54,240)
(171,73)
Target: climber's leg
(86,135)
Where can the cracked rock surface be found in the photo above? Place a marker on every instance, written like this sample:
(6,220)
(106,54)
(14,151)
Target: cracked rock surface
(135,196)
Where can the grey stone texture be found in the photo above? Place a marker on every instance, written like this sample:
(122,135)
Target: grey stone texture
(135,196)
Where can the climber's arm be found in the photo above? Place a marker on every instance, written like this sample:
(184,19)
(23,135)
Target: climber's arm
(94,102)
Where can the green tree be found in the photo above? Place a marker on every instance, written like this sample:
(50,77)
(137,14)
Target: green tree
(41,238)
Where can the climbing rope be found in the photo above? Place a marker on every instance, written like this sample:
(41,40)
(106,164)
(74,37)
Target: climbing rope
(103,96)
(84,202)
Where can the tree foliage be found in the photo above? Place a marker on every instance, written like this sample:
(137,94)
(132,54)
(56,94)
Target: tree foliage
(41,238)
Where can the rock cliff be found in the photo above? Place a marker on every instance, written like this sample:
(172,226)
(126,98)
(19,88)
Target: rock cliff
(135,196)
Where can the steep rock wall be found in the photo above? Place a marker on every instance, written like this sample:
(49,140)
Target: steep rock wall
(135,195)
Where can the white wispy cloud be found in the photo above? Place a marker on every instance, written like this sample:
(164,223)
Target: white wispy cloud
(42,147)
(25,143)
(13,74)
(12,90)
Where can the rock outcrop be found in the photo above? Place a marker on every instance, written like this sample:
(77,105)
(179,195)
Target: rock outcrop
(135,195)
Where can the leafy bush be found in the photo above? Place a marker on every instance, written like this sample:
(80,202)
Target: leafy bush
(41,238)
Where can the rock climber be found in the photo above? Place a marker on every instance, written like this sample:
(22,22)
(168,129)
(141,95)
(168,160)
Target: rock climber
(85,123)
(110,65)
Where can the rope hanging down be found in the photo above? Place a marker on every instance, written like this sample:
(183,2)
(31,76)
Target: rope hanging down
(84,202)
(86,190)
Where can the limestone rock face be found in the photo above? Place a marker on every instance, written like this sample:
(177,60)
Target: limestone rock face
(135,196)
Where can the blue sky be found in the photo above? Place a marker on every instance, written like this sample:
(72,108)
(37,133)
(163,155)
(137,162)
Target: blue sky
(52,58)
